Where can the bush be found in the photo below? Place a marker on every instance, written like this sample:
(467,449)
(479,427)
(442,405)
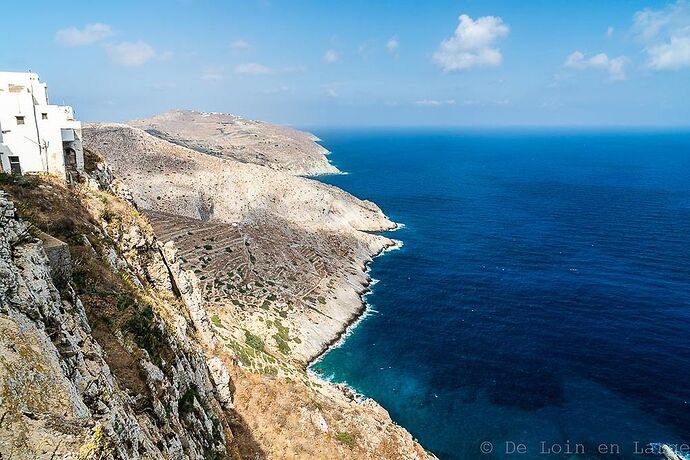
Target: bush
(346,438)
(108,215)
(63,226)
(124,302)
(144,327)
(216,321)
(7,179)
(186,403)
(283,347)
(253,341)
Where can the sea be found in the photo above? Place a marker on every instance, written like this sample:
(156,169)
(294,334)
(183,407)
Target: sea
(540,304)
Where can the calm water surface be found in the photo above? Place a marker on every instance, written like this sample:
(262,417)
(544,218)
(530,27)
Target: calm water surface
(542,293)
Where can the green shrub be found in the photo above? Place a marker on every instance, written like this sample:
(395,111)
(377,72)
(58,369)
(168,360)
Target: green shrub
(144,327)
(124,302)
(283,347)
(216,321)
(253,341)
(346,438)
(186,403)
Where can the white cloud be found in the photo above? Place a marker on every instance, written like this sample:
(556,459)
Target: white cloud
(615,67)
(472,45)
(240,45)
(212,75)
(666,35)
(253,68)
(670,56)
(434,102)
(293,69)
(609,31)
(133,54)
(392,44)
(330,56)
(278,90)
(90,34)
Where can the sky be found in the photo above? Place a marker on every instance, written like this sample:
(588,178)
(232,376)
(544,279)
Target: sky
(362,63)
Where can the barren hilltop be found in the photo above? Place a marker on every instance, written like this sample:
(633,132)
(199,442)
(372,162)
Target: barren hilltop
(205,275)
(248,141)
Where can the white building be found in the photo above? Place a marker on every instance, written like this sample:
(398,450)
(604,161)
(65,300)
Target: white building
(34,135)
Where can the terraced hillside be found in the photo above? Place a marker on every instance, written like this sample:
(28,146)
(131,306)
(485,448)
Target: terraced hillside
(265,274)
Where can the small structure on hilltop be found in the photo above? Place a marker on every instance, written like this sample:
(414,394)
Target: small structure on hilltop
(34,135)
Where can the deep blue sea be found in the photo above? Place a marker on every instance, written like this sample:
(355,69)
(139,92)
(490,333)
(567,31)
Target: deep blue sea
(542,294)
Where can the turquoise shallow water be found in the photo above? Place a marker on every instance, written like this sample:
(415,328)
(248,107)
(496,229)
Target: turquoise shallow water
(542,295)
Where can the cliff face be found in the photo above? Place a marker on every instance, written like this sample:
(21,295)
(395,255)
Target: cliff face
(178,320)
(103,363)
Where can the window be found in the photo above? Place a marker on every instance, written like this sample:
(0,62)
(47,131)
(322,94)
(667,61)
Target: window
(20,120)
(44,116)
(15,167)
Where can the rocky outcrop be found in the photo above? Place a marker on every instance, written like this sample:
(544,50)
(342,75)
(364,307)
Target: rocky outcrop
(668,453)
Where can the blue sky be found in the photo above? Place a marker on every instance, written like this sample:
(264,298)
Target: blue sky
(472,62)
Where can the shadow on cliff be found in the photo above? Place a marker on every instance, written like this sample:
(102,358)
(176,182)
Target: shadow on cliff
(245,444)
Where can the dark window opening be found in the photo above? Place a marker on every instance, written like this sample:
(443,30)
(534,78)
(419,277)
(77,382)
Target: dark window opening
(70,156)
(44,116)
(15,167)
(20,120)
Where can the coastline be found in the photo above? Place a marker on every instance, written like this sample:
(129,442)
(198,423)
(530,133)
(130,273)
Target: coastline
(360,314)
(363,309)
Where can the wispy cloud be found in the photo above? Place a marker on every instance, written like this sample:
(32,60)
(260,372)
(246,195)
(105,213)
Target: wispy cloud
(472,45)
(253,68)
(615,67)
(393,44)
(434,102)
(240,45)
(164,86)
(332,89)
(133,54)
(610,31)
(331,56)
(90,34)
(211,74)
(277,90)
(666,35)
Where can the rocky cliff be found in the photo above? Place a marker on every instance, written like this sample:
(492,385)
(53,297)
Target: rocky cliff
(103,363)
